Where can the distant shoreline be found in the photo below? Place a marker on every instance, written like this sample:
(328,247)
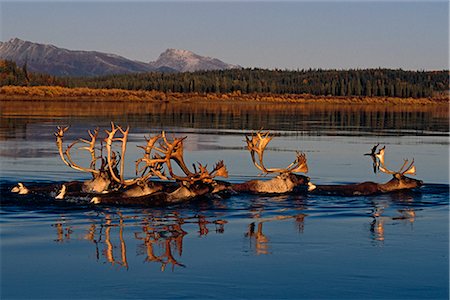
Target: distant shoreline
(61,94)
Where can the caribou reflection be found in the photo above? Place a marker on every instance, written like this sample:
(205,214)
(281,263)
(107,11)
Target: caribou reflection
(258,241)
(158,238)
(63,232)
(379,221)
(164,242)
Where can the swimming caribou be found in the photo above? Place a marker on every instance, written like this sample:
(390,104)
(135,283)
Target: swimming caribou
(285,182)
(397,183)
(108,184)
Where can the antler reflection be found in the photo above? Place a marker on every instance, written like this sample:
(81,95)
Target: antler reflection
(160,239)
(379,219)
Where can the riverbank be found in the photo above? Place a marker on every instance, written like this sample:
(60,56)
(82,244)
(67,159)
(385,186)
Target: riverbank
(58,94)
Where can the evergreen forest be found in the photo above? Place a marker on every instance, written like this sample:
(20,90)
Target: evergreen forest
(358,82)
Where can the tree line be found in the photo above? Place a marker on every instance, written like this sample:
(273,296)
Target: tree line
(369,82)
(357,82)
(11,74)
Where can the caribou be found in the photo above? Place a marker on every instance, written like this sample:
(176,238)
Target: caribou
(285,182)
(140,190)
(399,181)
(108,184)
(156,182)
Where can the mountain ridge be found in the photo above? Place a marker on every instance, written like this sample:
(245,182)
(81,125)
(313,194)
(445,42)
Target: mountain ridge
(188,61)
(53,60)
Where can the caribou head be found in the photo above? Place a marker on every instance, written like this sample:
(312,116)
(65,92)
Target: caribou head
(399,180)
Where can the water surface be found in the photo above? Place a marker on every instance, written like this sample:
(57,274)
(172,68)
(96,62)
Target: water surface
(289,246)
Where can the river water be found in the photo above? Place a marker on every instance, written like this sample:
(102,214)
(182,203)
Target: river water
(289,246)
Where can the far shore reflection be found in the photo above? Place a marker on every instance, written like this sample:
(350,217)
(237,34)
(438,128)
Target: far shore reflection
(311,119)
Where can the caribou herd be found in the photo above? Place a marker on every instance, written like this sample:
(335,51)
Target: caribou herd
(157,183)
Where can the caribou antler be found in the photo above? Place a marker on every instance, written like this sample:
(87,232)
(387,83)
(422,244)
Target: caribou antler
(164,153)
(152,163)
(256,144)
(66,156)
(410,169)
(372,151)
(59,134)
(91,147)
(373,156)
(173,151)
(111,156)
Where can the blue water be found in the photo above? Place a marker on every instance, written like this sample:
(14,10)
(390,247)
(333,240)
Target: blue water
(292,246)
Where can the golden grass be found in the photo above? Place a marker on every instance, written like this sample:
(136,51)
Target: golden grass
(57,93)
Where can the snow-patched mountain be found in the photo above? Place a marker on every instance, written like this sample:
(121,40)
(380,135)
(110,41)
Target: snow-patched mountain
(49,59)
(187,61)
(52,60)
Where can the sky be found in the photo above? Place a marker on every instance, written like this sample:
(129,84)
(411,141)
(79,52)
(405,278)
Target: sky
(283,35)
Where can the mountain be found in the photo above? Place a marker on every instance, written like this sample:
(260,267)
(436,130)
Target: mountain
(52,60)
(187,61)
(49,59)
